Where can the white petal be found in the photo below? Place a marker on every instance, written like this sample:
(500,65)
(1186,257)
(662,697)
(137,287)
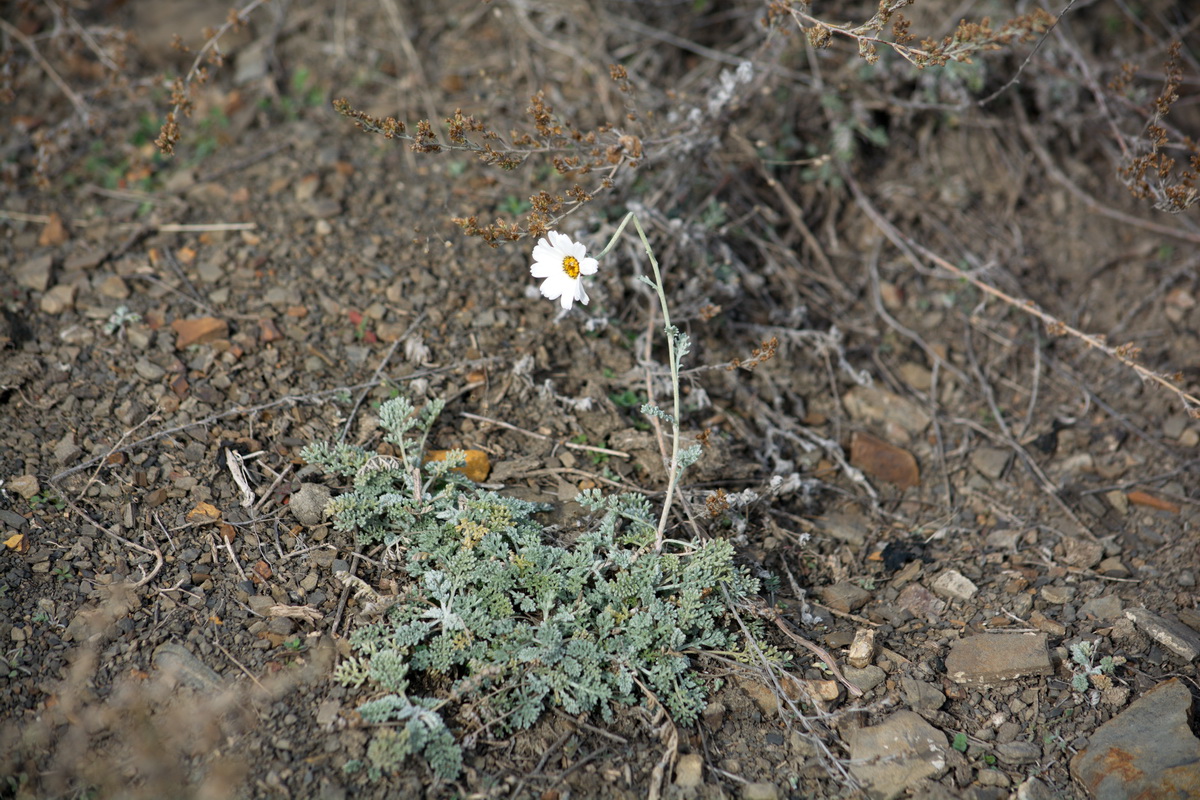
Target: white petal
(588,266)
(560,242)
(566,301)
(544,268)
(580,293)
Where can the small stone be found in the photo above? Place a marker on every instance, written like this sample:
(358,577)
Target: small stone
(845,597)
(1190,437)
(1107,607)
(849,528)
(1057,595)
(864,679)
(689,771)
(201,330)
(114,287)
(25,485)
(953,585)
(308,503)
(714,715)
(921,696)
(1118,500)
(59,299)
(1034,789)
(872,404)
(35,273)
(760,790)
(148,370)
(1174,426)
(862,650)
(1175,636)
(884,460)
(986,659)
(1148,750)
(916,376)
(66,450)
(898,753)
(1043,623)
(1113,567)
(1082,552)
(1019,752)
(920,602)
(991,462)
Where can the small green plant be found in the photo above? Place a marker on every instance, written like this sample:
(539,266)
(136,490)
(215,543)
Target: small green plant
(119,318)
(960,742)
(47,499)
(295,645)
(1087,671)
(62,573)
(498,620)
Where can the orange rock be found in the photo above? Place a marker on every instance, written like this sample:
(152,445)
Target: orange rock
(1140,498)
(54,233)
(201,330)
(885,461)
(477,467)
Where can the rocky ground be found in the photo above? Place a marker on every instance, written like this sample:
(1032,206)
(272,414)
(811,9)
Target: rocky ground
(979,531)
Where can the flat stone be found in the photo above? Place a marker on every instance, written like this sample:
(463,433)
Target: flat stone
(953,585)
(921,696)
(35,273)
(996,658)
(849,528)
(1106,607)
(1081,552)
(59,299)
(183,666)
(1148,750)
(201,330)
(898,753)
(991,462)
(1175,636)
(872,404)
(884,460)
(864,679)
(25,485)
(1019,752)
(920,602)
(689,771)
(760,790)
(844,596)
(308,503)
(1113,567)
(66,450)
(1057,595)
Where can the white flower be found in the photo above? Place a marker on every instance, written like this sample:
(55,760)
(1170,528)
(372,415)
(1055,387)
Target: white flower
(561,262)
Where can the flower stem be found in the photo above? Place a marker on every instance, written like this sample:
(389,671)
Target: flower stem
(672,358)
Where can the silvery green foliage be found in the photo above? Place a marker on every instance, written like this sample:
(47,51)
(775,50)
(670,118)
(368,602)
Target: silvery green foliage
(507,623)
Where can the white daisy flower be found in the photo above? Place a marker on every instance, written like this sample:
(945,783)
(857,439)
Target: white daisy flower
(561,262)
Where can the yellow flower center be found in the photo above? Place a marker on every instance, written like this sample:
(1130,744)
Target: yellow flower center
(571,267)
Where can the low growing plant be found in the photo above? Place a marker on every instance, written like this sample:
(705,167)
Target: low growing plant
(501,619)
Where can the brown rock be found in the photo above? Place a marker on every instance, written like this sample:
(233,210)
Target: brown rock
(882,460)
(201,330)
(996,658)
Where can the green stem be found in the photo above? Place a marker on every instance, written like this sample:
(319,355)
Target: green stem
(673,475)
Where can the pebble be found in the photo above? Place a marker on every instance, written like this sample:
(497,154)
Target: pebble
(898,753)
(996,658)
(35,273)
(1175,636)
(308,503)
(953,585)
(864,679)
(844,596)
(862,650)
(59,299)
(1057,595)
(991,462)
(25,485)
(1103,608)
(884,460)
(921,696)
(1148,750)
(760,790)
(114,287)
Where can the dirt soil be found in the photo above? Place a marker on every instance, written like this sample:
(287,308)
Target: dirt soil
(927,462)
